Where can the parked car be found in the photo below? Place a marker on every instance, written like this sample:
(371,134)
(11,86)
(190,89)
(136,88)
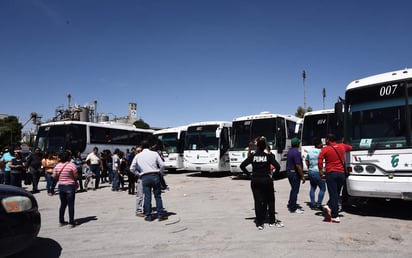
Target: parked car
(19,219)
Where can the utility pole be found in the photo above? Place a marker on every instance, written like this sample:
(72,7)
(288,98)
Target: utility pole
(304,89)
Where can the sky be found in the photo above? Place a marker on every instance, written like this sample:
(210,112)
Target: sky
(186,61)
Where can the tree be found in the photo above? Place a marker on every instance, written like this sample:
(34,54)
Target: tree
(300,112)
(141,124)
(10,131)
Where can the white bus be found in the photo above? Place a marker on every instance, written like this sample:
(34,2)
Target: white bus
(84,136)
(206,146)
(278,130)
(170,142)
(377,123)
(317,124)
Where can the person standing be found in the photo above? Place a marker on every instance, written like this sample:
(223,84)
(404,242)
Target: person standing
(109,167)
(262,183)
(6,158)
(49,161)
(116,170)
(131,178)
(151,165)
(95,165)
(139,186)
(17,168)
(33,164)
(333,154)
(315,176)
(65,173)
(295,175)
(122,169)
(78,162)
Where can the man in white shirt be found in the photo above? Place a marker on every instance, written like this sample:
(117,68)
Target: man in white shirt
(95,164)
(148,165)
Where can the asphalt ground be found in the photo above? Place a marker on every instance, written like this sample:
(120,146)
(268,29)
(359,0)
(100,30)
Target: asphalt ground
(213,216)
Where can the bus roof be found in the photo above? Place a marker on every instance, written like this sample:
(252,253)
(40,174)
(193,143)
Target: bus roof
(101,125)
(171,130)
(221,123)
(319,112)
(383,77)
(264,115)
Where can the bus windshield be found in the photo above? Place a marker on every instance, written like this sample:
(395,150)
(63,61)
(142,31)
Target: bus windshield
(168,142)
(202,138)
(379,121)
(245,131)
(319,125)
(61,137)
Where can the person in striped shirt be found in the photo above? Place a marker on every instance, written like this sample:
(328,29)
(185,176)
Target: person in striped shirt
(66,174)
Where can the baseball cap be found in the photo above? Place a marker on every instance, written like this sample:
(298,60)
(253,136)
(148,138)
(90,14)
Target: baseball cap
(295,141)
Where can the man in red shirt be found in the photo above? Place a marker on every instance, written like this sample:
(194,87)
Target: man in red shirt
(334,156)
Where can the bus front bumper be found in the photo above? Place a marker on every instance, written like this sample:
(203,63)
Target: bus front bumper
(380,187)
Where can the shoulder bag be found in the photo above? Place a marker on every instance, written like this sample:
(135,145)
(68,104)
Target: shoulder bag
(343,163)
(57,175)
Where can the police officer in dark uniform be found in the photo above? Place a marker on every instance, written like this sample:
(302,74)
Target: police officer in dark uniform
(262,183)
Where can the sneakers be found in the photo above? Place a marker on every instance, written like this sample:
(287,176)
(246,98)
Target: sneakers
(298,211)
(149,219)
(260,227)
(334,220)
(328,211)
(277,224)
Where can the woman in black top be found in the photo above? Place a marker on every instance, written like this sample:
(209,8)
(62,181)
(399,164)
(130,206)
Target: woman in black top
(17,169)
(262,183)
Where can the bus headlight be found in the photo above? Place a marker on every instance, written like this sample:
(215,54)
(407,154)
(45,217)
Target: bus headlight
(358,169)
(370,169)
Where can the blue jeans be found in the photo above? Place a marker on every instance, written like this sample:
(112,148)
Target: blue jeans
(150,182)
(294,181)
(315,181)
(50,183)
(110,172)
(67,196)
(96,170)
(116,181)
(2,177)
(334,182)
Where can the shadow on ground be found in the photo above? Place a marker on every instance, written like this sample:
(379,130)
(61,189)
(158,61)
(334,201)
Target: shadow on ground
(377,207)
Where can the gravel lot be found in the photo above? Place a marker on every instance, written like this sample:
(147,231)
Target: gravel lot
(212,216)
